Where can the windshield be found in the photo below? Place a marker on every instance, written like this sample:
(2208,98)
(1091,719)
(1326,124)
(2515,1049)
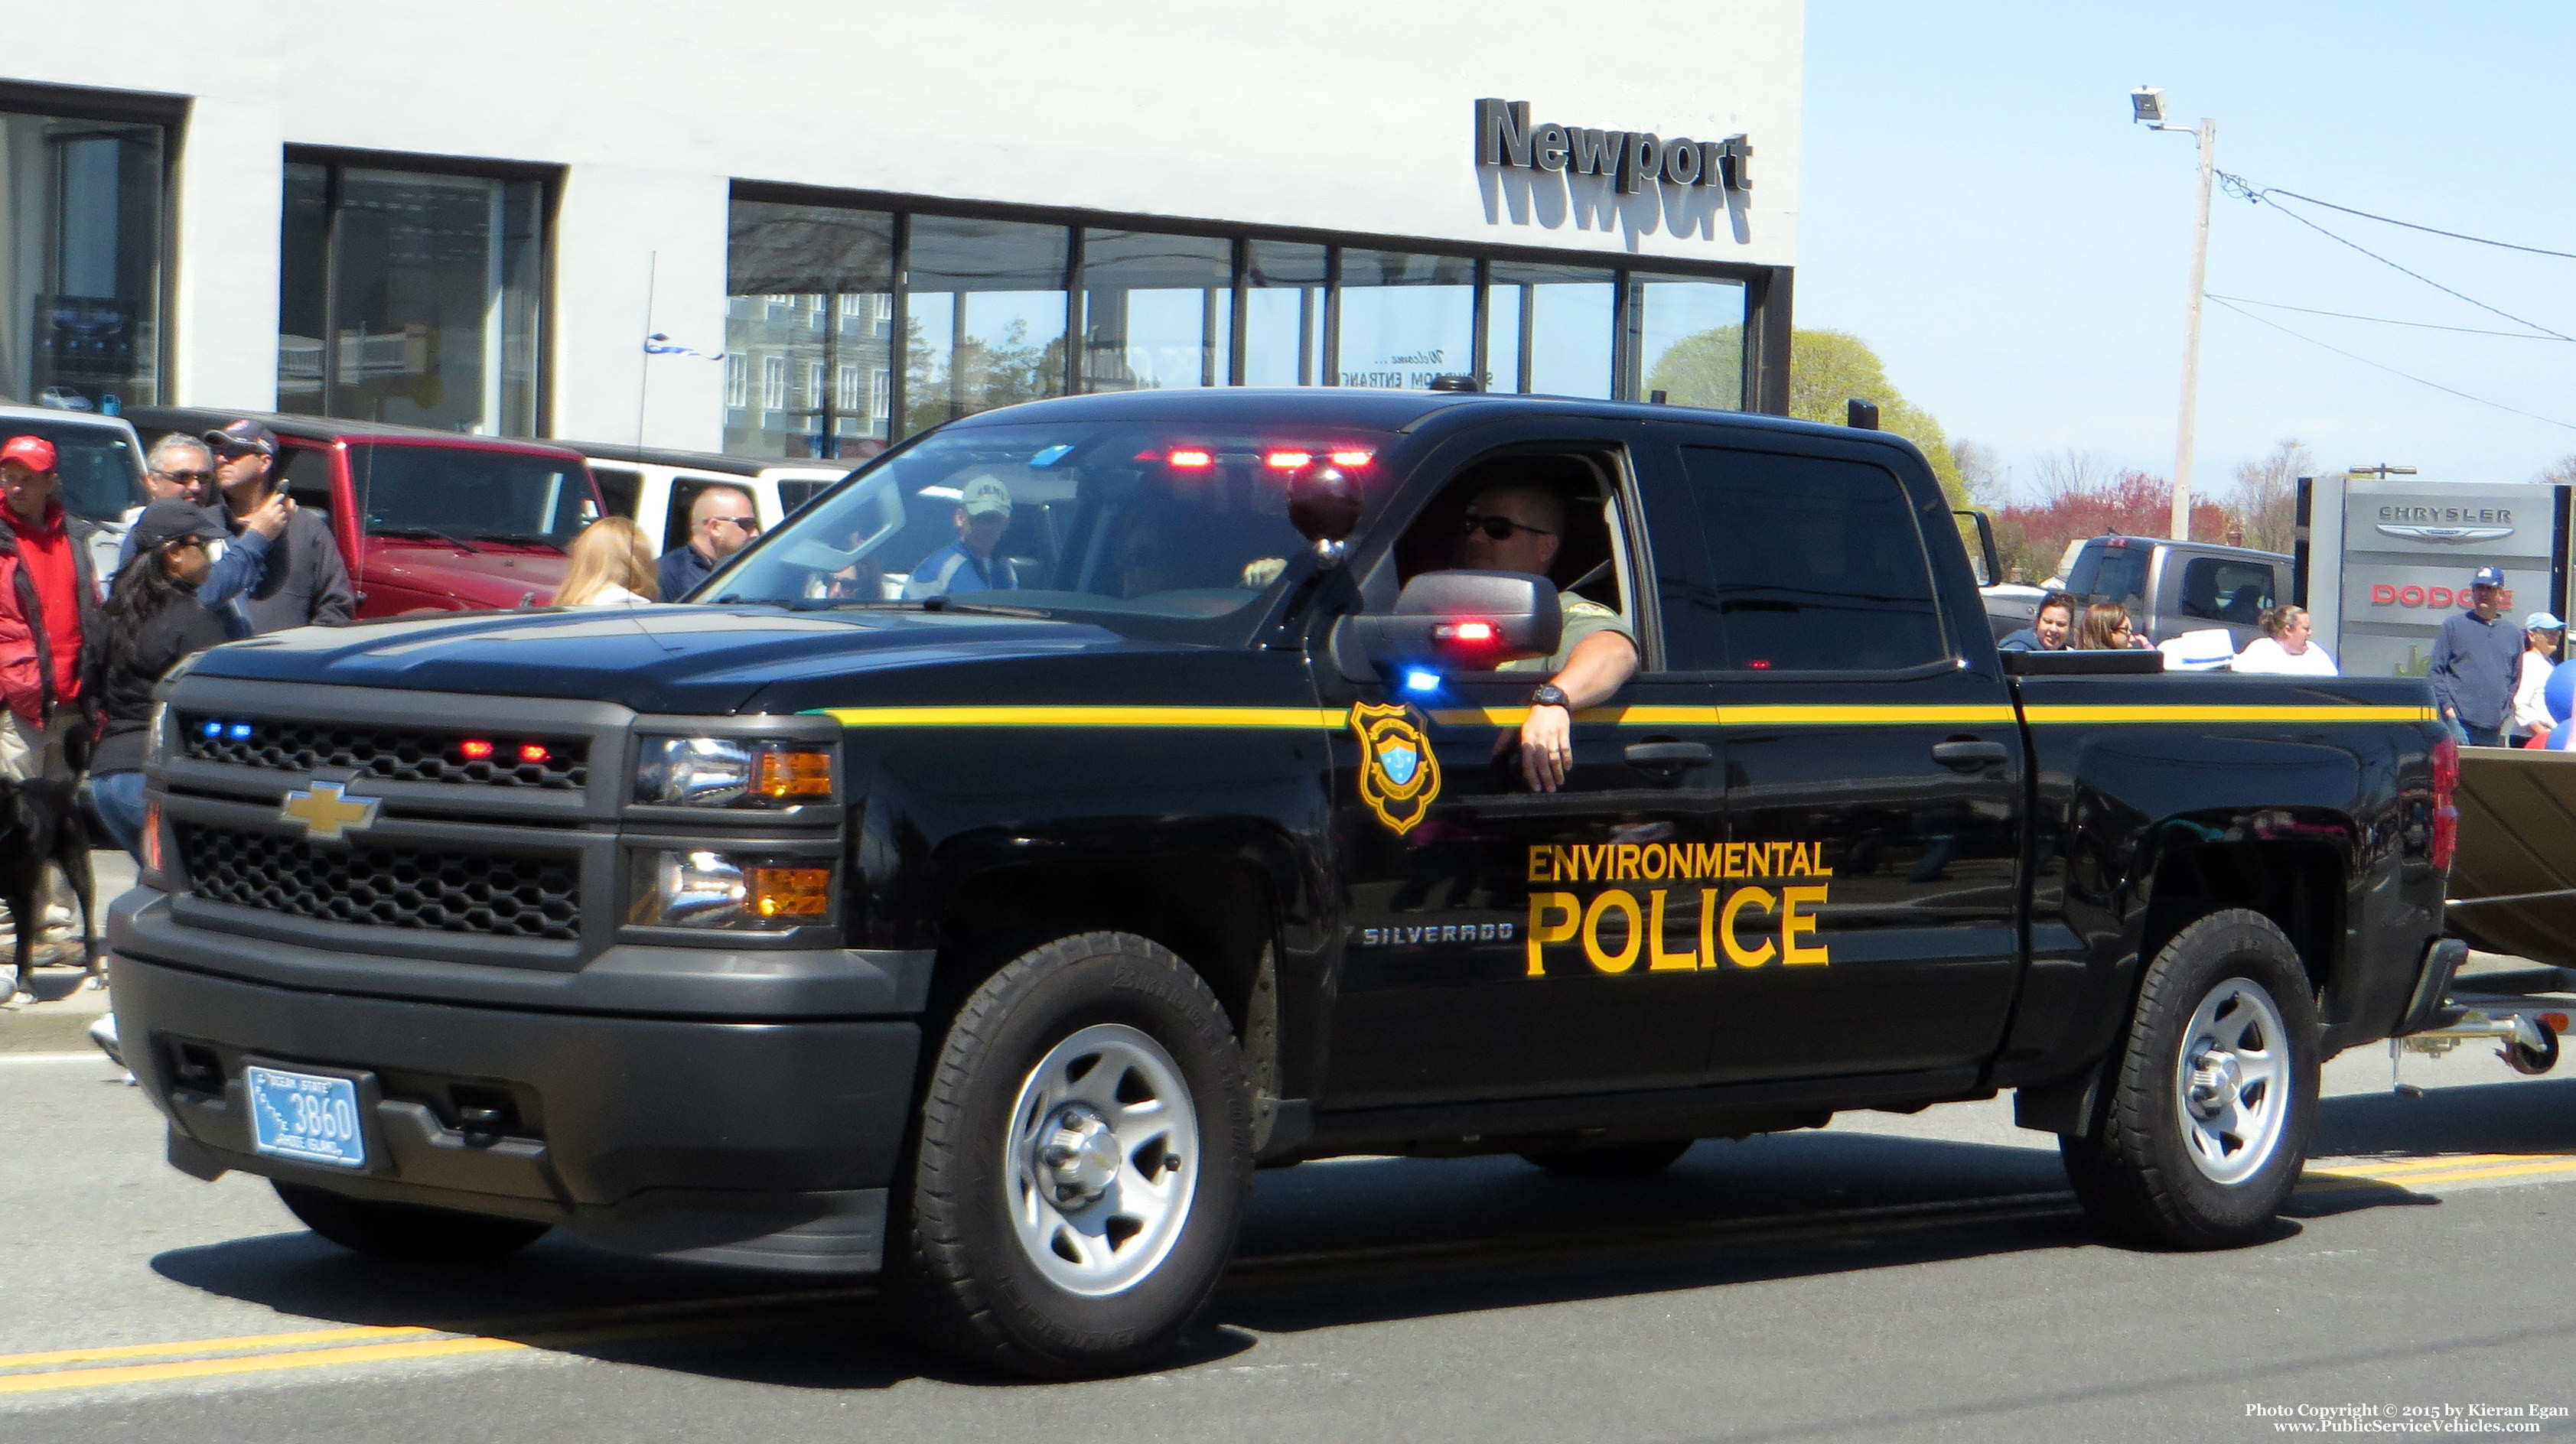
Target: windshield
(470,495)
(102,473)
(1106,519)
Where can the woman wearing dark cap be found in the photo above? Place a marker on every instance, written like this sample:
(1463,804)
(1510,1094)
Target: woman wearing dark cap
(152,620)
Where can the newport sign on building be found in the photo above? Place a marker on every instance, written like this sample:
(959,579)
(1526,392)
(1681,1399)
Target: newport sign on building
(812,229)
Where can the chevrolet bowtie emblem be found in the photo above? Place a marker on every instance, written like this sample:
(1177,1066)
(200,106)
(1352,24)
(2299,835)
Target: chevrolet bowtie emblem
(327,813)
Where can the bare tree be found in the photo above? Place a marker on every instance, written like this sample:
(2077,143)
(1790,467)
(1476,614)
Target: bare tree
(2264,501)
(2558,473)
(1980,471)
(2070,473)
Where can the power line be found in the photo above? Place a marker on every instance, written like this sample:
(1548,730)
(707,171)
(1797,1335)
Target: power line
(2381,320)
(2391,370)
(2428,230)
(2238,185)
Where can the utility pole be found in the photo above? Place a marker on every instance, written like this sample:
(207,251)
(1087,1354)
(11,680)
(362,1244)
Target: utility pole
(2147,107)
(2208,139)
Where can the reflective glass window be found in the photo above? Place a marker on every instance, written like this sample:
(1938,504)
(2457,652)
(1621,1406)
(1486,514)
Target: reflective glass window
(809,296)
(1405,318)
(1550,329)
(986,314)
(1283,313)
(1156,310)
(1689,338)
(80,261)
(430,287)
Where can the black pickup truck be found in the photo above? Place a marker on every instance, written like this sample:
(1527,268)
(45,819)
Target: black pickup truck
(994,939)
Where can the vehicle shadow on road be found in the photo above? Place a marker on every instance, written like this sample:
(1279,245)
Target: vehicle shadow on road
(2534,1116)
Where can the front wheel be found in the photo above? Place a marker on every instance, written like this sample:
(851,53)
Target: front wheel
(2215,1093)
(1084,1154)
(407,1231)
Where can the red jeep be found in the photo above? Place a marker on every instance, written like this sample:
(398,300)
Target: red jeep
(428,521)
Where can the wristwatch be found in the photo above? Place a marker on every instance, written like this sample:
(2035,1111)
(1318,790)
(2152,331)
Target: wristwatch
(1548,694)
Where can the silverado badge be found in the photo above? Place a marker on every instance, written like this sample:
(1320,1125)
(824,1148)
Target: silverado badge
(326,813)
(1399,776)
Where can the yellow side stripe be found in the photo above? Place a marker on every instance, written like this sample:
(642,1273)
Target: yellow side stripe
(2353,712)
(1823,715)
(1089,716)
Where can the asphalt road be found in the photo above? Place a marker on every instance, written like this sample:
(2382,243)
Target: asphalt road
(1919,1277)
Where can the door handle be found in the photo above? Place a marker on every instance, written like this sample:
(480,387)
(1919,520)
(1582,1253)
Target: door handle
(1675,755)
(1970,756)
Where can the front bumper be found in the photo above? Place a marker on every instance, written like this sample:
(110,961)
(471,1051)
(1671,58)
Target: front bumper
(762,1143)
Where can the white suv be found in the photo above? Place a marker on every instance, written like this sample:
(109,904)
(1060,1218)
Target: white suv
(101,460)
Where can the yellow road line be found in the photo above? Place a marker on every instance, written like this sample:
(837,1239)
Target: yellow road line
(2464,1175)
(211,1346)
(2378,1167)
(253,1364)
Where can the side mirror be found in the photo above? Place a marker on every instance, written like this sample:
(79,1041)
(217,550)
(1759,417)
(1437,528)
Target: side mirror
(1470,621)
(1324,503)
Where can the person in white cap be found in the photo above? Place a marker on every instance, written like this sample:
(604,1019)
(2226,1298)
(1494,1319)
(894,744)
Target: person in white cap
(971,563)
(2287,646)
(2541,634)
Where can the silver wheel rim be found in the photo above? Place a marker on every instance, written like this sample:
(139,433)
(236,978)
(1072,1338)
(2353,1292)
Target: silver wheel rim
(2232,1081)
(1102,1160)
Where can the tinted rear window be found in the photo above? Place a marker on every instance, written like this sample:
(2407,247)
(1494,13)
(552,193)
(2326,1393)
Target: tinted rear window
(2105,573)
(1813,565)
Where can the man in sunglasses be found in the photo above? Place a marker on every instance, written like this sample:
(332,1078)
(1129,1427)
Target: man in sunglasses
(1519,526)
(722,521)
(182,468)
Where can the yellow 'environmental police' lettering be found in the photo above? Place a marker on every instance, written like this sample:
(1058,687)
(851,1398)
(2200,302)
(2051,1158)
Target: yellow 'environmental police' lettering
(1635,928)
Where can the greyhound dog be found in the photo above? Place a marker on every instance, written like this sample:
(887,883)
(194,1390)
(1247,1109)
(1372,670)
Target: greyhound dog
(37,826)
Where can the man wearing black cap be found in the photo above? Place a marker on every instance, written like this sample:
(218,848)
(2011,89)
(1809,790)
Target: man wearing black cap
(303,581)
(151,622)
(2473,664)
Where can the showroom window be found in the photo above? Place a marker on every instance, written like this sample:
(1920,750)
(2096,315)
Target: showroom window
(1404,318)
(1688,341)
(430,286)
(995,310)
(777,255)
(1157,311)
(82,225)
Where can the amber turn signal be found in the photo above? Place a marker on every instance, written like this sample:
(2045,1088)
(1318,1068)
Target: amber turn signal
(789,892)
(795,774)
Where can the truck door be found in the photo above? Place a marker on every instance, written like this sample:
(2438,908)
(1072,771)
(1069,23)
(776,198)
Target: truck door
(1498,943)
(1866,915)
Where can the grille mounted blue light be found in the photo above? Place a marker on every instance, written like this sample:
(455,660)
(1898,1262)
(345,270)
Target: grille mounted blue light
(1417,680)
(239,732)
(212,729)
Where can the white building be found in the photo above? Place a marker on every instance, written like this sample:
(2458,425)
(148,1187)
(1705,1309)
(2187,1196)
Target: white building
(473,215)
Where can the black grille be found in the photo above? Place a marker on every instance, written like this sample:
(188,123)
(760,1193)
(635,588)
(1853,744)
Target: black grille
(394,887)
(401,754)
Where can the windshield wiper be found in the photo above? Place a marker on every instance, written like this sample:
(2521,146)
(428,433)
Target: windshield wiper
(870,604)
(423,533)
(521,538)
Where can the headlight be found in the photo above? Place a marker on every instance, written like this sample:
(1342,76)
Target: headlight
(720,772)
(719,890)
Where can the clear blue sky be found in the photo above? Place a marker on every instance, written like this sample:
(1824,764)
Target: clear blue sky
(1979,208)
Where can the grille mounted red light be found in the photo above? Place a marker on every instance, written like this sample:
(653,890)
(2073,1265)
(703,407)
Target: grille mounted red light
(475,749)
(533,752)
(1189,458)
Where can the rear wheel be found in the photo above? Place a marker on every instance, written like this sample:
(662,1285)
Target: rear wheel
(1615,1160)
(405,1230)
(1083,1157)
(2215,1093)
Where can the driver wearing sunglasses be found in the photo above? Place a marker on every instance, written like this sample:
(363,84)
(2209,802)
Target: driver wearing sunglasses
(1519,526)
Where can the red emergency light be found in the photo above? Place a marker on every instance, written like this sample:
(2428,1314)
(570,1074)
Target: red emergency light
(533,752)
(1351,458)
(1287,460)
(1190,459)
(475,749)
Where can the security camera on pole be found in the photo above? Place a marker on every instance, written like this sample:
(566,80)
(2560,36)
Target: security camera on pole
(2147,107)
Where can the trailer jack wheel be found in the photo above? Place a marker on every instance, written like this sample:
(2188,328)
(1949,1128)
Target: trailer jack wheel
(2529,1056)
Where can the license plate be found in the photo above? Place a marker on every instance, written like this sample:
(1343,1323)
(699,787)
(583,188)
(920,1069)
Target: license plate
(305,1117)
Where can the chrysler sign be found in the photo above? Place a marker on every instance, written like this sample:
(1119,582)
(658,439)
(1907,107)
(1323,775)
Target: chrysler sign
(1506,137)
(2452,525)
